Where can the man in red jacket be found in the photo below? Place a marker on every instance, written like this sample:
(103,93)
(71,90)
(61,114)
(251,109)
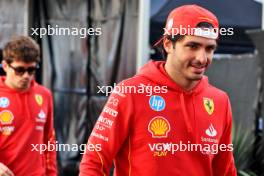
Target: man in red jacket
(184,129)
(26,114)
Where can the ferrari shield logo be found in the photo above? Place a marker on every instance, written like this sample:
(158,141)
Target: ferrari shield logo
(39,99)
(208,105)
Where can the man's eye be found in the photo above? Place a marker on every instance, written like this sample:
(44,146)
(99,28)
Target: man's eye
(191,46)
(20,69)
(210,49)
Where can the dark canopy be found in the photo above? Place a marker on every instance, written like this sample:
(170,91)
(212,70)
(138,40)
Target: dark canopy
(240,15)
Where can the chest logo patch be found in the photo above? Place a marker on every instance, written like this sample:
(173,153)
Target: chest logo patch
(157,103)
(4,102)
(208,105)
(42,115)
(211,131)
(39,99)
(159,127)
(6,117)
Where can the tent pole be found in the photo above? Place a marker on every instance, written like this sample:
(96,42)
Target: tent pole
(26,18)
(143,33)
(262,24)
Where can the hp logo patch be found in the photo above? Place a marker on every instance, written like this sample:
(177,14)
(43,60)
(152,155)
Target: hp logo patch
(157,103)
(4,102)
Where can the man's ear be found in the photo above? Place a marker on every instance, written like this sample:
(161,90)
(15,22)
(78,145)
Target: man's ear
(167,45)
(4,65)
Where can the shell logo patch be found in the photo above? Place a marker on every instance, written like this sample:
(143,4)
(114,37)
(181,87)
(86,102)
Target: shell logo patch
(159,127)
(208,105)
(6,117)
(39,99)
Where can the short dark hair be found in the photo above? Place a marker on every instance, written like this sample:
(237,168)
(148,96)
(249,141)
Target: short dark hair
(175,38)
(21,48)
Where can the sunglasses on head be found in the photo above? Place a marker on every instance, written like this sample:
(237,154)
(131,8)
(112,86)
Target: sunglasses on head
(21,70)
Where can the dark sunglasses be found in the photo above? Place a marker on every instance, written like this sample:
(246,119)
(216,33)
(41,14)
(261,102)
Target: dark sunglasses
(21,70)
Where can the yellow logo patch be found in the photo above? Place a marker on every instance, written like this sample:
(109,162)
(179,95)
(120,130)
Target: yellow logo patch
(6,117)
(39,99)
(208,105)
(159,127)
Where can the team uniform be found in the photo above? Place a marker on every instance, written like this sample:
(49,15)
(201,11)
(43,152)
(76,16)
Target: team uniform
(143,133)
(26,121)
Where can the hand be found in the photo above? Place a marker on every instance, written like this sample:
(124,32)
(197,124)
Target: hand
(5,171)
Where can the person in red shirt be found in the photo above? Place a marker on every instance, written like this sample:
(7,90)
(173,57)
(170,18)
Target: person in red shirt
(26,114)
(168,120)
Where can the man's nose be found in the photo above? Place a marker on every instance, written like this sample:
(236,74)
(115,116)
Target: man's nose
(202,57)
(26,75)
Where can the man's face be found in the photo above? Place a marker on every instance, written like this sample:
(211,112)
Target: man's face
(19,74)
(191,56)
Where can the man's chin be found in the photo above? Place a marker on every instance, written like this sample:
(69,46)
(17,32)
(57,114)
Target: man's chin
(196,77)
(23,87)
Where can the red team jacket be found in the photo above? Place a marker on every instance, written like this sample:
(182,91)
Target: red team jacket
(153,135)
(26,120)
